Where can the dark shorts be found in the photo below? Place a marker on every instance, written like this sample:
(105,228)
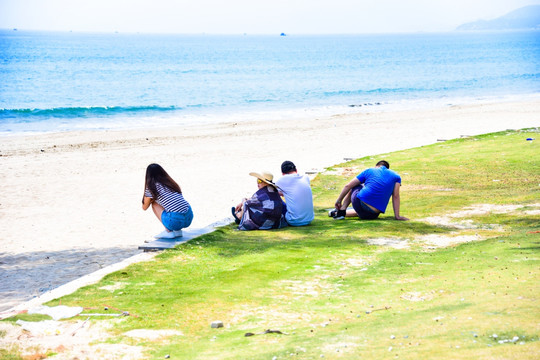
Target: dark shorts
(362,209)
(176,220)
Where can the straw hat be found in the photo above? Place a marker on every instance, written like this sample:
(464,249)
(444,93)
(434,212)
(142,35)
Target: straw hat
(265,176)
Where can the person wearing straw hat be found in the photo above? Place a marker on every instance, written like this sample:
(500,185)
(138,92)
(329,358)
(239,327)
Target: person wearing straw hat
(264,210)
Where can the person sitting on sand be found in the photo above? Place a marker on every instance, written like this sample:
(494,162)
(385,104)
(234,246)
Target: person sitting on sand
(167,201)
(264,209)
(369,193)
(296,190)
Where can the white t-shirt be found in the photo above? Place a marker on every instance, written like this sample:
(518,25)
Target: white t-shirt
(298,198)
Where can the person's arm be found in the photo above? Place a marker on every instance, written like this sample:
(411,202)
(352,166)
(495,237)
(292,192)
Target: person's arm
(396,202)
(240,205)
(146,202)
(278,188)
(353,183)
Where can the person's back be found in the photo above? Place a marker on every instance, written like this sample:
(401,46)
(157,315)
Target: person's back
(369,193)
(378,186)
(296,190)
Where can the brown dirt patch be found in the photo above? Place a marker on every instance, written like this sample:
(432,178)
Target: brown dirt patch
(70,339)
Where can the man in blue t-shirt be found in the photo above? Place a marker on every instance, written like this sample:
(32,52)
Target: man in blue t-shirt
(369,194)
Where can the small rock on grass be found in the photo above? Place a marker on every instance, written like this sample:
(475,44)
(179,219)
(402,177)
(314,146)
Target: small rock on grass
(216,324)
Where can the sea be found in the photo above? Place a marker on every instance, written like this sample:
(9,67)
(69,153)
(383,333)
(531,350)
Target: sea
(68,81)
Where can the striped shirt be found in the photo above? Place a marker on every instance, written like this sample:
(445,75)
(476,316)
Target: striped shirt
(171,201)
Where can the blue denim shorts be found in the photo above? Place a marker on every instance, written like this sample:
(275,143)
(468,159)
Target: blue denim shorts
(362,209)
(176,220)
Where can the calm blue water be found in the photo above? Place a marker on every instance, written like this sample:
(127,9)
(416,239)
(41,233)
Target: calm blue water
(69,81)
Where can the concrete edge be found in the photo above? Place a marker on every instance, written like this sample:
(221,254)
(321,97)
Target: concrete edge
(96,276)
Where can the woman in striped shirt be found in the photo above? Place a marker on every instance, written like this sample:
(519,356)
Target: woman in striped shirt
(167,201)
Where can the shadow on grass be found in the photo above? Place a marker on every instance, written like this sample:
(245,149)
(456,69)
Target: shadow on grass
(443,309)
(322,233)
(532,247)
(527,222)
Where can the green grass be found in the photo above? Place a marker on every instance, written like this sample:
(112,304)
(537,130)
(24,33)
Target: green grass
(333,294)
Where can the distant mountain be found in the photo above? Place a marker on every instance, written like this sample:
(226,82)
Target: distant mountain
(525,18)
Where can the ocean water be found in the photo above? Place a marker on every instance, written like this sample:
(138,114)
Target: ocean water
(71,81)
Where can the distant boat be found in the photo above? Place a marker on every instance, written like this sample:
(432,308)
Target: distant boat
(282,34)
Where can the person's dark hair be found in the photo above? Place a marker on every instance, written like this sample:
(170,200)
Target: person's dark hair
(287,167)
(156,174)
(384,163)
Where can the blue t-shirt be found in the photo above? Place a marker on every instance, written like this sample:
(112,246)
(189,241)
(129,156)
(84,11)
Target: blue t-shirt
(379,185)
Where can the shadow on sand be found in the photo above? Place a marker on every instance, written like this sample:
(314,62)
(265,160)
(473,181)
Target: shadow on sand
(27,275)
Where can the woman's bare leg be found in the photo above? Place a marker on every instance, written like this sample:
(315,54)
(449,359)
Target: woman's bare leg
(158,210)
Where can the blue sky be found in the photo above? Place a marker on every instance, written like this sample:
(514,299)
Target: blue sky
(250,16)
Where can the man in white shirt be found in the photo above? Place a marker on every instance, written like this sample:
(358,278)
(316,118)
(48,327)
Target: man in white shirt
(296,190)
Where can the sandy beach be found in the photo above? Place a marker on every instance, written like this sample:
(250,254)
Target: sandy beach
(71,202)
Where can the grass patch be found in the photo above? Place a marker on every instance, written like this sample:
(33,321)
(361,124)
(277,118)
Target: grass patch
(27,317)
(331,292)
(10,354)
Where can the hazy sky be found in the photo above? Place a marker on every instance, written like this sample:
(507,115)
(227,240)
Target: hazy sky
(250,16)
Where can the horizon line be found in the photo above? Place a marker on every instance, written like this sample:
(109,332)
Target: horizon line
(282,34)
